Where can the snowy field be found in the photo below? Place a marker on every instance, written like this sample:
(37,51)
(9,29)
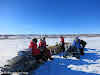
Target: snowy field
(87,65)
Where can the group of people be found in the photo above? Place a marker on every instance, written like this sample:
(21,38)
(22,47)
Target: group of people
(41,53)
(76,48)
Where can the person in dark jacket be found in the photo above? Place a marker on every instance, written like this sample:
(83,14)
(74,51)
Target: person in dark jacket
(62,43)
(83,44)
(44,42)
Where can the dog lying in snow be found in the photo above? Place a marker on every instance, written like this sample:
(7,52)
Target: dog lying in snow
(56,49)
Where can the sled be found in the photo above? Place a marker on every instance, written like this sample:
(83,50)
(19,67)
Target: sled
(24,62)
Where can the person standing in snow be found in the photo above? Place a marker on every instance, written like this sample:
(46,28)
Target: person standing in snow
(62,43)
(83,44)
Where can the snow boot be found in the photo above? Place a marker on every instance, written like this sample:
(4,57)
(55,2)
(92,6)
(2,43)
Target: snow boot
(51,58)
(82,51)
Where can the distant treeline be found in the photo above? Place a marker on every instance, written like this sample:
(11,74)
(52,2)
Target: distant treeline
(29,36)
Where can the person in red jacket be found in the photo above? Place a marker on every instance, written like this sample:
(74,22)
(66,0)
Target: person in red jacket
(35,51)
(41,46)
(62,43)
(42,43)
(44,51)
(62,39)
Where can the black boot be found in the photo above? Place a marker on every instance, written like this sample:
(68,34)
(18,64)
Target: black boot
(78,57)
(51,58)
(45,59)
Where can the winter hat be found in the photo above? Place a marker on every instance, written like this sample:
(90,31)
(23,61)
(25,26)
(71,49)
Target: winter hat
(34,39)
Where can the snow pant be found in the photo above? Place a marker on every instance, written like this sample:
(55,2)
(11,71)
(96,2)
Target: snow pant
(47,53)
(72,51)
(81,51)
(63,46)
(76,52)
(68,52)
(38,57)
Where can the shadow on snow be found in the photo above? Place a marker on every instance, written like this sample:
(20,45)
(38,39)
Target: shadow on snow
(59,66)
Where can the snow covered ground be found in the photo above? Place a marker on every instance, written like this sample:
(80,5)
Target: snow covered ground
(87,65)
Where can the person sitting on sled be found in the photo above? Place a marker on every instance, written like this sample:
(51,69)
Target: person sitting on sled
(62,43)
(43,49)
(35,51)
(42,43)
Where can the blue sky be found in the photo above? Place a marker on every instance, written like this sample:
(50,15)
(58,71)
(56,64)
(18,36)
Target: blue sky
(49,16)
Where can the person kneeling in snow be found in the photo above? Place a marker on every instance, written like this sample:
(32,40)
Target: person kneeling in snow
(35,51)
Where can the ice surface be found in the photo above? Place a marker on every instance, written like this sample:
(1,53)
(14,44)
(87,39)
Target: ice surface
(88,65)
